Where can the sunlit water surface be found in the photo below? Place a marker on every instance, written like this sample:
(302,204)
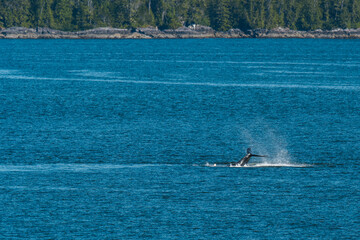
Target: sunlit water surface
(129,139)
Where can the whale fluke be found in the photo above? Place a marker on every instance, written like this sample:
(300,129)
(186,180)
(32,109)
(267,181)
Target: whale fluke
(246,159)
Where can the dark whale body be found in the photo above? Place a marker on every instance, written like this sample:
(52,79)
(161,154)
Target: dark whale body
(245,159)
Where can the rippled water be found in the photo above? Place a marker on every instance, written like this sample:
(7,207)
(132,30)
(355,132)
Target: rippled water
(129,139)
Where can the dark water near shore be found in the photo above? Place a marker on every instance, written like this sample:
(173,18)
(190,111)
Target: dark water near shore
(103,139)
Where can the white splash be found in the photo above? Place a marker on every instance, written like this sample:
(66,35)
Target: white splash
(210,164)
(260,165)
(293,165)
(282,157)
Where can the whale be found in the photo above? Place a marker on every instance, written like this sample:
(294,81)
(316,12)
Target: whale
(242,162)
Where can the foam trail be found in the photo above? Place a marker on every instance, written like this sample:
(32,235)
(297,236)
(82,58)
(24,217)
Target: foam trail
(293,165)
(242,62)
(211,165)
(210,84)
(6,73)
(281,159)
(286,72)
(260,165)
(40,188)
(70,167)
(91,73)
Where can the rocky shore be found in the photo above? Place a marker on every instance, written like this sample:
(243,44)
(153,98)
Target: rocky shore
(195,31)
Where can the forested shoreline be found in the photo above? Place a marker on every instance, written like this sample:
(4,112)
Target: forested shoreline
(221,15)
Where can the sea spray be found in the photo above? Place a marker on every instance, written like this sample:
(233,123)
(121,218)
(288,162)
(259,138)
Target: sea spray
(265,140)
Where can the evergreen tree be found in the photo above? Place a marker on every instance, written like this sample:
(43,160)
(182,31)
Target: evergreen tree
(16,13)
(326,14)
(343,18)
(196,12)
(310,17)
(102,14)
(170,21)
(255,13)
(354,10)
(121,13)
(43,13)
(2,13)
(63,15)
(220,14)
(220,11)
(291,14)
(143,16)
(274,13)
(239,16)
(315,14)
(83,12)
(158,8)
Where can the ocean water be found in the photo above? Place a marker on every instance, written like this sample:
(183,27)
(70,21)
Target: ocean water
(125,139)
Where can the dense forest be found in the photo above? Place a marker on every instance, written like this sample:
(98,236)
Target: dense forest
(72,15)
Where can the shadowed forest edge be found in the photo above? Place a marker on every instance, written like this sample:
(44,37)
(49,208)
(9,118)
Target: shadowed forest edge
(221,15)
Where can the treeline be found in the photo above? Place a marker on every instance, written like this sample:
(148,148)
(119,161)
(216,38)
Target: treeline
(72,15)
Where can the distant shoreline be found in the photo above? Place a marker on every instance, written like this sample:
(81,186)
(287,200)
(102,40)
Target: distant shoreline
(192,32)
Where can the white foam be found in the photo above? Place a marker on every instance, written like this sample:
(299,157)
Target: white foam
(265,63)
(39,188)
(91,73)
(345,87)
(211,165)
(6,72)
(287,72)
(281,158)
(69,167)
(260,165)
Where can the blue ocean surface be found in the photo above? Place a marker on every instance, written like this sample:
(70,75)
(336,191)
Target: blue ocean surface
(124,139)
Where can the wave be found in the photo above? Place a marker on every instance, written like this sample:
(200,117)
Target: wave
(288,72)
(260,165)
(91,73)
(352,64)
(45,168)
(345,87)
(281,159)
(6,72)
(69,167)
(40,188)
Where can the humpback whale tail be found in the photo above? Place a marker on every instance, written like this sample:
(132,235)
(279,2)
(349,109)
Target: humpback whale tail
(248,150)
(246,159)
